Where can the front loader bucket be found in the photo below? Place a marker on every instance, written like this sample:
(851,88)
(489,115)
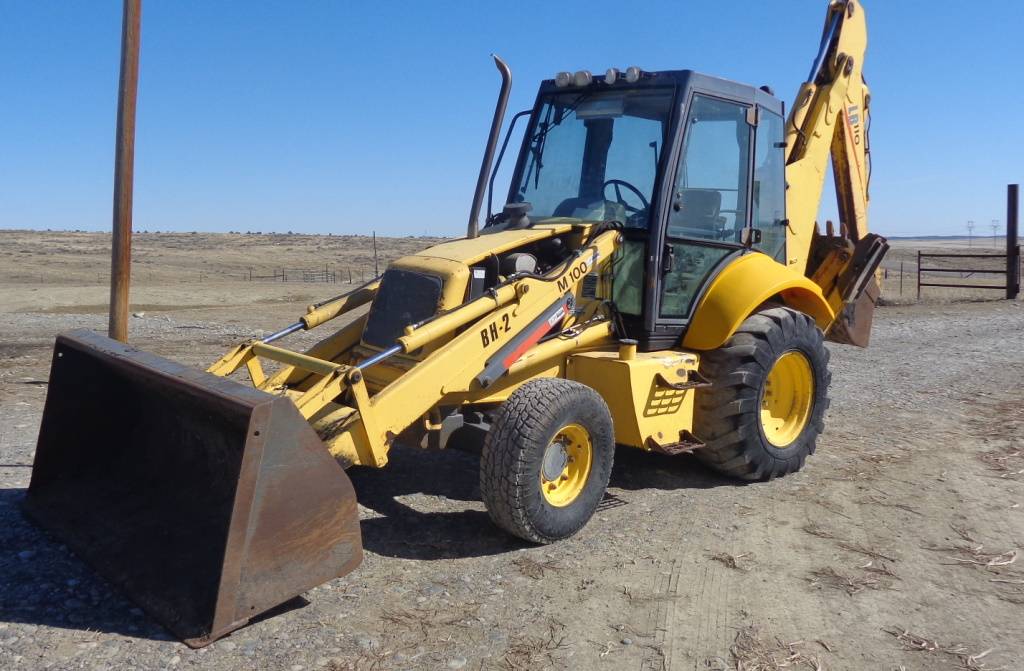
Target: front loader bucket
(207,502)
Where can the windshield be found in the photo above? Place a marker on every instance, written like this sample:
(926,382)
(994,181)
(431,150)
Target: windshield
(594,155)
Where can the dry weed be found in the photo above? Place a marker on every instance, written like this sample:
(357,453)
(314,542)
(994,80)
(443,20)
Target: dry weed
(851,584)
(526,652)
(815,529)
(831,506)
(864,550)
(1009,588)
(732,561)
(880,568)
(426,621)
(532,568)
(971,662)
(751,652)
(963,532)
(976,555)
(1007,461)
(889,504)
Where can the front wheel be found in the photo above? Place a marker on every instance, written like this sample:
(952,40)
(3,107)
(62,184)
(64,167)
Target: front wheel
(763,414)
(547,459)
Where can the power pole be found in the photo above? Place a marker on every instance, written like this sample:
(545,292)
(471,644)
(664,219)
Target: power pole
(124,169)
(995,231)
(376,267)
(970,232)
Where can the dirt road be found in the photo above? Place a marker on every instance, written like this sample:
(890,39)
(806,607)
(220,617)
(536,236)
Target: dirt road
(893,549)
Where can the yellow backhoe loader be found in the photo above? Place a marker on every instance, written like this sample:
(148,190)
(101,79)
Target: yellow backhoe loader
(656,281)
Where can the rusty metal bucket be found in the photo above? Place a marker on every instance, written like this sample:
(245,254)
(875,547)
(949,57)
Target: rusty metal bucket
(207,502)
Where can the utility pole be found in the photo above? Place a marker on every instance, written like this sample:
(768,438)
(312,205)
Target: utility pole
(995,230)
(970,233)
(376,268)
(124,169)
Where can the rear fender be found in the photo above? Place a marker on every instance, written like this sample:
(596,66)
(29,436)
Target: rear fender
(743,286)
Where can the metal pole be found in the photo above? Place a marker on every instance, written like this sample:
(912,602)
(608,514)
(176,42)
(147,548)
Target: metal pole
(1012,249)
(124,168)
(919,274)
(901,278)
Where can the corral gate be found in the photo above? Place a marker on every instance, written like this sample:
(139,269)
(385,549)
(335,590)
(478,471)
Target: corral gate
(1011,272)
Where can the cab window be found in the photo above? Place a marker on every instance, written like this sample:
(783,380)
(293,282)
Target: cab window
(769,201)
(710,199)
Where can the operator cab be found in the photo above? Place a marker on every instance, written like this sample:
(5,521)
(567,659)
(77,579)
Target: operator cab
(691,166)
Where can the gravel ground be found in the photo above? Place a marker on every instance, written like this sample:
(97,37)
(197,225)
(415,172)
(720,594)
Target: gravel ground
(873,557)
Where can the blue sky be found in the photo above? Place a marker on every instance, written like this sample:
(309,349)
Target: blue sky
(350,117)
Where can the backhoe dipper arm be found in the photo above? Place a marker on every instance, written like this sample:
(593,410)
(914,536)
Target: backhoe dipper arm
(830,118)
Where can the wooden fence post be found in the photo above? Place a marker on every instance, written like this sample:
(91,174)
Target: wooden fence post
(124,172)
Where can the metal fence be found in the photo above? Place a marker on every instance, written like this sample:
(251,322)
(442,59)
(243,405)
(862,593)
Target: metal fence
(1011,257)
(321,275)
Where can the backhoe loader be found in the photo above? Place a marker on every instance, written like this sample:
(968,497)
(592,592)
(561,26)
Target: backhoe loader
(656,281)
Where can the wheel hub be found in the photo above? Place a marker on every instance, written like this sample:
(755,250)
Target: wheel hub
(787,398)
(566,467)
(555,461)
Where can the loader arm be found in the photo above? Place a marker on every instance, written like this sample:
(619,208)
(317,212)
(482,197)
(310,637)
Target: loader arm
(490,341)
(831,119)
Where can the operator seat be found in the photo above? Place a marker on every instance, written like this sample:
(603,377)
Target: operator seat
(699,213)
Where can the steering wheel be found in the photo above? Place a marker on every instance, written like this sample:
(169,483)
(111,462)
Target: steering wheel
(618,184)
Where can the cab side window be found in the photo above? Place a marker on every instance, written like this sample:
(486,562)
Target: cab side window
(710,200)
(769,201)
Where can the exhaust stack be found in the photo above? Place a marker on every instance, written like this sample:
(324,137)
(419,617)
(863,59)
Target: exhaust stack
(492,142)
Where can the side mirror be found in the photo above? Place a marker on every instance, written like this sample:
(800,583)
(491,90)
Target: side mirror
(750,236)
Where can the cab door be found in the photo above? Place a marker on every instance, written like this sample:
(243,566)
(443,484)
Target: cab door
(710,206)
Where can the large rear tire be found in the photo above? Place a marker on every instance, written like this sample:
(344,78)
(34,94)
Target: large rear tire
(763,414)
(547,459)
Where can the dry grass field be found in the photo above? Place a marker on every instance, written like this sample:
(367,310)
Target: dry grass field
(895,548)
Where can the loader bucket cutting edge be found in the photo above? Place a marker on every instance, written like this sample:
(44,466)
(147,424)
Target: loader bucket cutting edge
(205,501)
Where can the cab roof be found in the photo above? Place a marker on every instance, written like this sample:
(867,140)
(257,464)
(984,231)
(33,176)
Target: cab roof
(683,80)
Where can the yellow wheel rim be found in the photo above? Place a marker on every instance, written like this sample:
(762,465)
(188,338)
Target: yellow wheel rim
(566,466)
(787,399)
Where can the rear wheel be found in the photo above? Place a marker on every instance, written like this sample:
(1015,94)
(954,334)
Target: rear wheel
(547,459)
(765,410)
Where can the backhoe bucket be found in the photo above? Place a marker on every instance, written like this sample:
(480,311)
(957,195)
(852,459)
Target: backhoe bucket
(207,502)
